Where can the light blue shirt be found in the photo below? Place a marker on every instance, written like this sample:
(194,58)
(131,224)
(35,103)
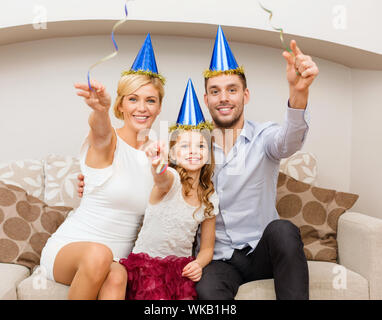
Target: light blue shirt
(246,180)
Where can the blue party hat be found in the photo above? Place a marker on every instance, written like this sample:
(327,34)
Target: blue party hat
(223,60)
(190,114)
(145,62)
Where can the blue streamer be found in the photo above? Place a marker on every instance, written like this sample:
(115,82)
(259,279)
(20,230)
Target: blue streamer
(115,46)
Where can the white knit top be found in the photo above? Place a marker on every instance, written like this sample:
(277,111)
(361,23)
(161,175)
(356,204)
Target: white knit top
(169,227)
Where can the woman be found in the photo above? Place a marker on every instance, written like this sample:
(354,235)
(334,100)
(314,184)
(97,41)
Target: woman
(85,250)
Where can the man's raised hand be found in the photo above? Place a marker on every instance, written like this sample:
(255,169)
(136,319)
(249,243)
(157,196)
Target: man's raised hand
(301,69)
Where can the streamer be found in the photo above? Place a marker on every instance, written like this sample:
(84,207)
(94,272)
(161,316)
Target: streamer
(112,55)
(281,32)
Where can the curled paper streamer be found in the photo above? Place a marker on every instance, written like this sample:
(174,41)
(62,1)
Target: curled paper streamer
(277,29)
(112,55)
(161,168)
(281,32)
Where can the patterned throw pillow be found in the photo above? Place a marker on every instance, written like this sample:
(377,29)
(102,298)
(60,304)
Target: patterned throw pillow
(315,211)
(26,223)
(27,174)
(302,166)
(61,181)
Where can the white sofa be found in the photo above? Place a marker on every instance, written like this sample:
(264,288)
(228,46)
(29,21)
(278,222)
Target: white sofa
(357,275)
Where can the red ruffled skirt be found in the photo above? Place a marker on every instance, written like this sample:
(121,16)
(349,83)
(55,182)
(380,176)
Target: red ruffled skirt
(157,278)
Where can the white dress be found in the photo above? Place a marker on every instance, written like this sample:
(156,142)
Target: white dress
(169,227)
(112,206)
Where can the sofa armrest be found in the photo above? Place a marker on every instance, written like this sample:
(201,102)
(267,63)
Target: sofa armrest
(10,276)
(360,248)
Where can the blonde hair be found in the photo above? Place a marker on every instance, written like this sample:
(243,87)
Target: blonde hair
(206,172)
(132,82)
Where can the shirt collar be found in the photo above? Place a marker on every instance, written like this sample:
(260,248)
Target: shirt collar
(246,133)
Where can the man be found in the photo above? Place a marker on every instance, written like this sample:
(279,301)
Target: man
(252,243)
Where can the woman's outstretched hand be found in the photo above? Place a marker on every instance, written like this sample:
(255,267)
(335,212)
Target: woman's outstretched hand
(98,100)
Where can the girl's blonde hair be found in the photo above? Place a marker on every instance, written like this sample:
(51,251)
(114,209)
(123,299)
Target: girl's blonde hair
(132,82)
(206,173)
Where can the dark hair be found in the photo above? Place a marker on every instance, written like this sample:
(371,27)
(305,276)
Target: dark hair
(242,77)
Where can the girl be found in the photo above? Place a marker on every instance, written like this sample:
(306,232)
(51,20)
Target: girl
(161,265)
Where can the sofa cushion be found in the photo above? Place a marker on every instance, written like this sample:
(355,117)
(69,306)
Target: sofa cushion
(37,287)
(316,212)
(26,223)
(327,281)
(301,166)
(26,174)
(61,180)
(10,276)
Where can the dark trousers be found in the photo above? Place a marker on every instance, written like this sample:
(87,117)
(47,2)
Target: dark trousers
(278,255)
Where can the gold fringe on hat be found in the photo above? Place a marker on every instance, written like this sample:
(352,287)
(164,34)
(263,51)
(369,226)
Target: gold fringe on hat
(213,73)
(146,73)
(201,126)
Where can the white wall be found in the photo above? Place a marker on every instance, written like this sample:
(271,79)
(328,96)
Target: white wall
(366,173)
(350,22)
(40,113)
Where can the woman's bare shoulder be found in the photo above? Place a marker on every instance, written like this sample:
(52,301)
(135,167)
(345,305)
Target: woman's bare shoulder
(101,155)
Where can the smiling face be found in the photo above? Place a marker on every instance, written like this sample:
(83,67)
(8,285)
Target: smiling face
(141,107)
(225,98)
(190,150)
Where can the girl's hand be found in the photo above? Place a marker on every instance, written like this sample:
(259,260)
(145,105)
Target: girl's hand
(193,271)
(98,100)
(157,152)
